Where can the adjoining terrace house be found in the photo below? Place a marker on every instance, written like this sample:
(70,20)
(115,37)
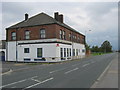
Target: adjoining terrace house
(43,38)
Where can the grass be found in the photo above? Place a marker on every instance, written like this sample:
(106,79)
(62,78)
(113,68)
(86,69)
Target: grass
(99,53)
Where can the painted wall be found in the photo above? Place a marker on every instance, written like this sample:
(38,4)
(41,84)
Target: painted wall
(51,51)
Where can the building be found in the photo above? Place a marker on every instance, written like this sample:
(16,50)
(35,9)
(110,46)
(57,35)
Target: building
(43,38)
(2,50)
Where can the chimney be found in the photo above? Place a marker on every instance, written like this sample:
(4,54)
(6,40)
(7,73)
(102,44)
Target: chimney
(26,16)
(61,18)
(56,16)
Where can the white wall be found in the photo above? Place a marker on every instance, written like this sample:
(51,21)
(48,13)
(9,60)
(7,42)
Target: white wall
(50,50)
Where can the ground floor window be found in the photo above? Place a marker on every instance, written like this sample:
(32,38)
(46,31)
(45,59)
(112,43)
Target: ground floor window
(61,53)
(70,52)
(39,52)
(67,52)
(83,50)
(76,52)
(64,52)
(73,52)
(26,50)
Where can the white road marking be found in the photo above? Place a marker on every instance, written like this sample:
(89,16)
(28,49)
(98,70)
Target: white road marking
(13,87)
(18,82)
(7,72)
(35,80)
(38,83)
(76,64)
(57,70)
(34,77)
(85,64)
(71,70)
(13,83)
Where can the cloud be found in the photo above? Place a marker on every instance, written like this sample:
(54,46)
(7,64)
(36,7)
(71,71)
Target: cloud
(100,17)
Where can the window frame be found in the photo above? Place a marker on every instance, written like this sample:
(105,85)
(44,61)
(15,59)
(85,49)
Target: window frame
(26,50)
(13,37)
(27,34)
(43,34)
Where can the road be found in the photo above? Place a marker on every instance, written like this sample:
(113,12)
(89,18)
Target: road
(72,74)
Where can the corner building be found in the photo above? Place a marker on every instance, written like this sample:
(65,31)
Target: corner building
(42,38)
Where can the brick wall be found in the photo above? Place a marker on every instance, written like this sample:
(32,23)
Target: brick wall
(52,31)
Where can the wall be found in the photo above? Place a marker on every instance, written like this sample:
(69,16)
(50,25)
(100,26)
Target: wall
(50,51)
(52,31)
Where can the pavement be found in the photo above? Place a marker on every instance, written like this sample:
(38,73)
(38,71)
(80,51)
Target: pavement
(109,78)
(73,74)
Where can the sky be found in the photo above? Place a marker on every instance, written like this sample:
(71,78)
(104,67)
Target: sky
(98,19)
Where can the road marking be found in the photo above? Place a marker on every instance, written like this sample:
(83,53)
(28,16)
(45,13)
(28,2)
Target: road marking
(71,70)
(38,83)
(57,70)
(33,77)
(85,65)
(7,72)
(35,80)
(13,87)
(76,64)
(18,82)
(13,83)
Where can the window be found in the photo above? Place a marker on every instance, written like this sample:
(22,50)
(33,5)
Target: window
(83,50)
(76,52)
(64,37)
(64,52)
(27,34)
(70,36)
(78,39)
(61,34)
(61,53)
(70,52)
(26,50)
(42,33)
(39,52)
(73,52)
(67,52)
(13,35)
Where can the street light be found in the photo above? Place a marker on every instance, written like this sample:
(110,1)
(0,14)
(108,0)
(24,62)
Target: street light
(86,33)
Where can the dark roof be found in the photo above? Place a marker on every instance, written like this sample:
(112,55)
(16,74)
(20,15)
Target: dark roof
(40,19)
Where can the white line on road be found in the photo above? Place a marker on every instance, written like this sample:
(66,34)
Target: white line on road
(85,65)
(71,70)
(13,83)
(38,83)
(76,64)
(57,70)
(7,72)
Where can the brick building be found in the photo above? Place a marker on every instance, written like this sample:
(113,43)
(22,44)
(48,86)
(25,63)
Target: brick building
(43,38)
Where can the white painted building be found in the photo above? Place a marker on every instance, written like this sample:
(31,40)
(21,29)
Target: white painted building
(45,49)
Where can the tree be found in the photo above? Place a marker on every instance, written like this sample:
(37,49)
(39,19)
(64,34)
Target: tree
(106,47)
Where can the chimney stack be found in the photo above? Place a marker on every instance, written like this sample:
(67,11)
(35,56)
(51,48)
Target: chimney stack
(26,16)
(61,18)
(58,17)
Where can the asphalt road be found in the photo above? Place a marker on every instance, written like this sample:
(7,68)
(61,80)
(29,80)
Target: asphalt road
(72,74)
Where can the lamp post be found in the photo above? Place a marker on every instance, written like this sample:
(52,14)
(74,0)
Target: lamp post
(86,34)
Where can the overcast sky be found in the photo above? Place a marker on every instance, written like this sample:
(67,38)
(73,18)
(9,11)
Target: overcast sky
(99,17)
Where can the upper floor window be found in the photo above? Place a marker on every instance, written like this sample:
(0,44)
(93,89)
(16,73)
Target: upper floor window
(42,33)
(27,34)
(70,36)
(78,39)
(13,34)
(61,34)
(64,36)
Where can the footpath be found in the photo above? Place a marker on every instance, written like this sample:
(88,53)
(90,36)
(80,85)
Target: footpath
(109,78)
